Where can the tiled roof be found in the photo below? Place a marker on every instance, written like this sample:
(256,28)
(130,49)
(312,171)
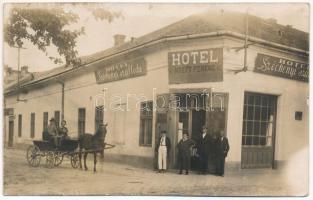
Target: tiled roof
(208,22)
(24,79)
(218,21)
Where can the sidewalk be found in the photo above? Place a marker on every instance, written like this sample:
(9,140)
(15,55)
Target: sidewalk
(121,179)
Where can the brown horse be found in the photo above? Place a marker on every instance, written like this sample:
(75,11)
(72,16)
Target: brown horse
(92,144)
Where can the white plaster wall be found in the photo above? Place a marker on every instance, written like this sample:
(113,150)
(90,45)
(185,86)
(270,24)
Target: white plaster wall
(291,135)
(47,99)
(81,91)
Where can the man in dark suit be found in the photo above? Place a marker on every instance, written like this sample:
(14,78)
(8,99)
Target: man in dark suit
(53,132)
(184,152)
(222,153)
(203,150)
(214,147)
(163,148)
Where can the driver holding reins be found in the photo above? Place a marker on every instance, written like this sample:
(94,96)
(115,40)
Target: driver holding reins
(53,131)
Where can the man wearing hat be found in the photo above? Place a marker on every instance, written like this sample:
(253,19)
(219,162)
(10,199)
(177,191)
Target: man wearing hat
(203,150)
(184,152)
(53,131)
(163,148)
(222,153)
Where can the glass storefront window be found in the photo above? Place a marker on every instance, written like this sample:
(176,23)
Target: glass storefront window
(258,119)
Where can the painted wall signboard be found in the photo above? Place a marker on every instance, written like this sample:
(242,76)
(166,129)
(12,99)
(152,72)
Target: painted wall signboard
(281,67)
(123,70)
(205,65)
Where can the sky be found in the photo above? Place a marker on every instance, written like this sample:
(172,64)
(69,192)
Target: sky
(142,18)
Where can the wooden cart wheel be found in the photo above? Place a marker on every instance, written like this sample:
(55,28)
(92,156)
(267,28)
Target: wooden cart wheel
(75,160)
(58,159)
(50,159)
(33,156)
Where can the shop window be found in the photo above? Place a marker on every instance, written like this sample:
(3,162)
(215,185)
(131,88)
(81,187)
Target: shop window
(81,121)
(258,119)
(19,125)
(45,121)
(32,125)
(57,118)
(146,112)
(98,116)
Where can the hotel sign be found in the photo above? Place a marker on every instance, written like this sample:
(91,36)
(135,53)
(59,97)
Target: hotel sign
(205,65)
(281,67)
(122,70)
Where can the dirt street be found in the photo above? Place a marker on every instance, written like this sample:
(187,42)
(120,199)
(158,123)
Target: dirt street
(118,179)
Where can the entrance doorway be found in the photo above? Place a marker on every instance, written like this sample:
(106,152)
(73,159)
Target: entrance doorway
(11,133)
(258,131)
(189,114)
(191,122)
(198,121)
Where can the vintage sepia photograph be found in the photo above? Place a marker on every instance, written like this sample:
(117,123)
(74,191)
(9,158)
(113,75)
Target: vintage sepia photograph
(155,99)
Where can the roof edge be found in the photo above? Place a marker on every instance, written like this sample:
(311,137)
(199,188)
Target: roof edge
(172,38)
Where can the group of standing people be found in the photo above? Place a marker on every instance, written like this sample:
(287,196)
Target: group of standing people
(212,147)
(57,134)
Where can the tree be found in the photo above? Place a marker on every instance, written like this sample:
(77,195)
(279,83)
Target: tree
(49,25)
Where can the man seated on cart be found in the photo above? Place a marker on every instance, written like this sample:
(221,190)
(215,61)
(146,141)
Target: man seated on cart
(53,132)
(57,134)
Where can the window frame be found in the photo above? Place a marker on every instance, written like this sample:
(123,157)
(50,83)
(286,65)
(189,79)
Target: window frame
(256,138)
(81,121)
(146,118)
(99,112)
(20,123)
(32,125)
(45,120)
(57,116)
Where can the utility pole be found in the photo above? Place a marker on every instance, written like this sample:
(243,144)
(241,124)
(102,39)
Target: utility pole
(62,102)
(245,46)
(62,82)
(18,72)
(245,67)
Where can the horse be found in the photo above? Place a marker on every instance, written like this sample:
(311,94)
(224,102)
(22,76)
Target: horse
(92,144)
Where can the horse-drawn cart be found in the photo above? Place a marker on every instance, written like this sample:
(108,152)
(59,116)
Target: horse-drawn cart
(53,155)
(87,143)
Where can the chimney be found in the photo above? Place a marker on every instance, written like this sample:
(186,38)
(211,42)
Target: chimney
(8,70)
(119,39)
(132,39)
(24,70)
(272,20)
